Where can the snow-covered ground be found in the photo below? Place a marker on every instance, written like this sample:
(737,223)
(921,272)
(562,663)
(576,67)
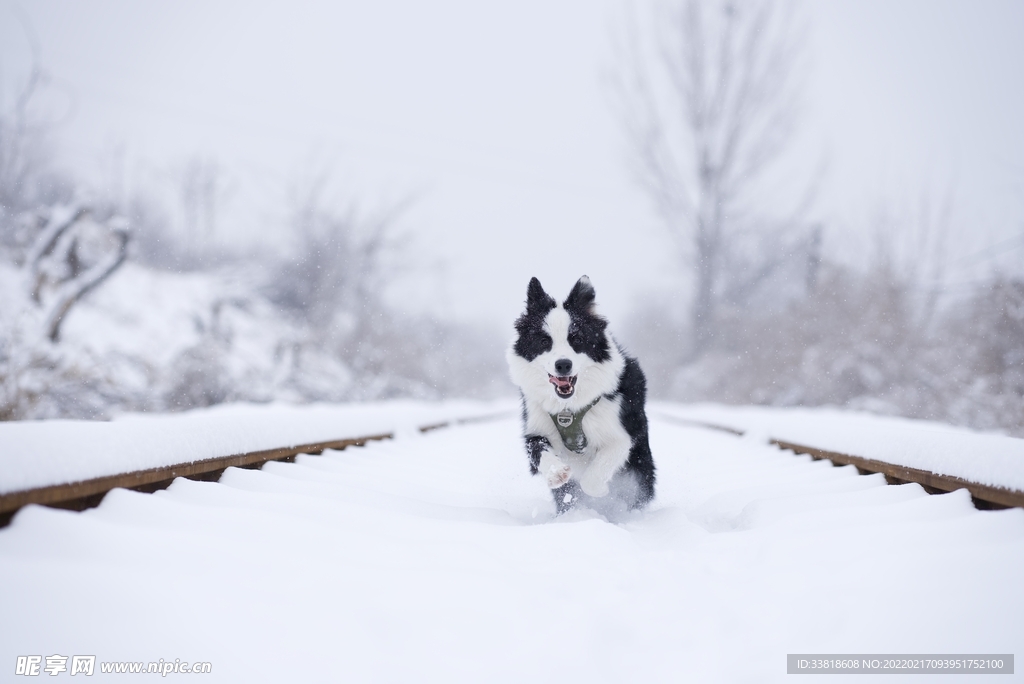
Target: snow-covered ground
(436,557)
(985,458)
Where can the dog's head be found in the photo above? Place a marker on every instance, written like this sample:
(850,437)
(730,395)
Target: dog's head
(559,348)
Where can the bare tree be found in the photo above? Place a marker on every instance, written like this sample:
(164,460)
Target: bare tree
(708,112)
(71,255)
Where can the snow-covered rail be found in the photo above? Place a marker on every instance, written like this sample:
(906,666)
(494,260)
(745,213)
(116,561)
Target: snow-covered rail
(87,493)
(78,496)
(65,487)
(985,497)
(941,458)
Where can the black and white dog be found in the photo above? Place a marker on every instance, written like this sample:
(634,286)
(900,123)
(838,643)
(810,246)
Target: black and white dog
(583,403)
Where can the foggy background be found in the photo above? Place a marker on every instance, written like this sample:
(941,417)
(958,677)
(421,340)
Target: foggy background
(346,201)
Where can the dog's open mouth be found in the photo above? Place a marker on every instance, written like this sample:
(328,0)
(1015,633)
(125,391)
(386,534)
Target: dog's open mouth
(564,386)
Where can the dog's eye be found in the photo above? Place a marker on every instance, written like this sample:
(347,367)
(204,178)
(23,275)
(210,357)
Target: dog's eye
(586,336)
(533,343)
(576,338)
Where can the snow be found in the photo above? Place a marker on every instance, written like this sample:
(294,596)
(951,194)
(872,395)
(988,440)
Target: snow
(985,458)
(437,557)
(153,315)
(42,453)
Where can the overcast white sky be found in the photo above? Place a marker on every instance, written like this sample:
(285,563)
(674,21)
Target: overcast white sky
(495,116)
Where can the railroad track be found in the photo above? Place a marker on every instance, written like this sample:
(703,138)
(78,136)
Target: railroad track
(985,497)
(89,493)
(83,494)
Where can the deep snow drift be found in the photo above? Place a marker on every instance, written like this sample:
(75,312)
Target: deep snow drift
(436,557)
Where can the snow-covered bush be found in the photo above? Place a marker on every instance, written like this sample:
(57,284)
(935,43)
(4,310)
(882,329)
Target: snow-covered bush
(864,341)
(70,254)
(988,333)
(152,340)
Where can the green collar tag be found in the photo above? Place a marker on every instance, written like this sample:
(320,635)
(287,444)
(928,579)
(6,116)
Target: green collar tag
(570,427)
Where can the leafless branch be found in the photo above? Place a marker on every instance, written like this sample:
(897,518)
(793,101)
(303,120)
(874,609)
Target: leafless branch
(707,112)
(74,289)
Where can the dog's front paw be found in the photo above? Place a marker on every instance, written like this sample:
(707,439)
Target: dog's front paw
(554,471)
(593,485)
(558,474)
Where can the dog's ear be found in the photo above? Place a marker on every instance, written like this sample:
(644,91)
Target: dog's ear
(536,298)
(581,298)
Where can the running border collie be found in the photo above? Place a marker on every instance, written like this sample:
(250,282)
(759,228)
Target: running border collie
(583,404)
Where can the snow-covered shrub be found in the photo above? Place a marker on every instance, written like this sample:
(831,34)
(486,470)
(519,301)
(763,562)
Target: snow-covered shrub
(70,254)
(864,341)
(988,330)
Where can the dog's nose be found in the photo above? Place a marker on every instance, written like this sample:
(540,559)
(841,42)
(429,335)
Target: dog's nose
(563,367)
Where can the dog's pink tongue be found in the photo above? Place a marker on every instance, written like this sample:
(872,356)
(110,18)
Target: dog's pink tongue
(560,382)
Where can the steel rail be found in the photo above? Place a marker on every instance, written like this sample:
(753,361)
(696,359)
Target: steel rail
(984,496)
(83,494)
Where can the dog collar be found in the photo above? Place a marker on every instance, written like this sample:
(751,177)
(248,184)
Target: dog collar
(570,427)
